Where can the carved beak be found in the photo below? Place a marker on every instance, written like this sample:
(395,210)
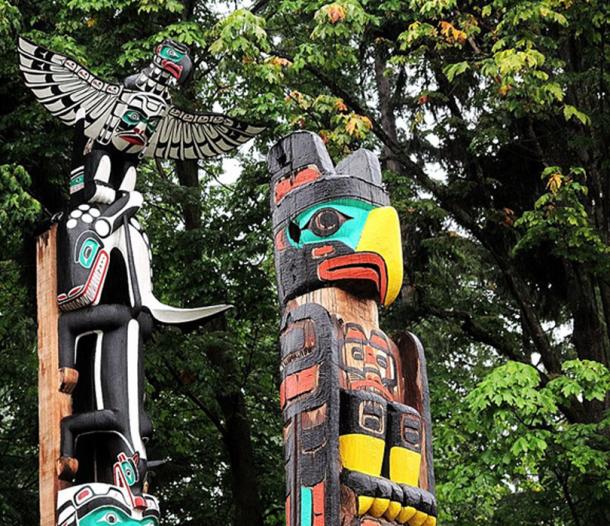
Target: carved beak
(381,236)
(377,258)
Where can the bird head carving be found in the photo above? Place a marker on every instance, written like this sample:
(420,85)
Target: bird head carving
(332,225)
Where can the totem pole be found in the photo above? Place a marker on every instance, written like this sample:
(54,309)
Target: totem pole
(355,404)
(104,284)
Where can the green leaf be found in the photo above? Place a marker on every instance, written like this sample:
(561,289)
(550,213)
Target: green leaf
(453,70)
(571,112)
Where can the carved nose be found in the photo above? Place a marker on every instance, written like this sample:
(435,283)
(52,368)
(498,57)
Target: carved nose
(369,357)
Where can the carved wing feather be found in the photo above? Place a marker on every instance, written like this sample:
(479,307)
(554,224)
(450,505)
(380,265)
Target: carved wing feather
(418,396)
(184,135)
(64,87)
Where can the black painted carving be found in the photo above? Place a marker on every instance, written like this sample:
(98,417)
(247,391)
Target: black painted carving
(355,404)
(105,289)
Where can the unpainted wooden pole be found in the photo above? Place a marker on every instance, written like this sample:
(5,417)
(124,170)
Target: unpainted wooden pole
(52,404)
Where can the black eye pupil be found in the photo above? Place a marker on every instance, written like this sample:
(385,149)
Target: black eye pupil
(357,353)
(326,222)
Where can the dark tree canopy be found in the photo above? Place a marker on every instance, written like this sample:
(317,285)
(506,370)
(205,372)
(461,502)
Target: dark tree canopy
(492,121)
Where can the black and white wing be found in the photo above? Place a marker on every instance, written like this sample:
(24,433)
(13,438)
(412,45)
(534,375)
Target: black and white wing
(184,135)
(64,87)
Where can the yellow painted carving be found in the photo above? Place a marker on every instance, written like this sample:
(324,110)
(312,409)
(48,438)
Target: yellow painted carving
(364,504)
(381,235)
(361,453)
(404,466)
(393,510)
(418,519)
(430,521)
(379,507)
(406,513)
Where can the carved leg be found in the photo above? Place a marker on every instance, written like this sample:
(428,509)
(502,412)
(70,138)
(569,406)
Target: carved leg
(361,447)
(403,452)
(403,459)
(74,425)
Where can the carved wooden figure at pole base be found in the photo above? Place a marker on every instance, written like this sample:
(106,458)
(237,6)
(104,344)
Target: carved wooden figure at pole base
(104,277)
(355,403)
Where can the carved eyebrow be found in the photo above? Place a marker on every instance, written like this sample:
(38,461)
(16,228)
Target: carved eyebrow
(354,333)
(379,342)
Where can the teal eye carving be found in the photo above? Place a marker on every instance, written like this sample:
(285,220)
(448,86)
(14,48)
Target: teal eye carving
(132,117)
(338,220)
(152,124)
(110,515)
(110,518)
(326,222)
(170,53)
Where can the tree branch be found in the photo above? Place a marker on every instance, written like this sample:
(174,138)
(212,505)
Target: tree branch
(196,400)
(472,327)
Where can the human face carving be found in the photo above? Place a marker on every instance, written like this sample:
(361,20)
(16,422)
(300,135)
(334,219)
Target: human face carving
(138,122)
(368,362)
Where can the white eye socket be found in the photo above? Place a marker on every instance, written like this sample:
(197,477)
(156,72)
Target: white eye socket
(110,518)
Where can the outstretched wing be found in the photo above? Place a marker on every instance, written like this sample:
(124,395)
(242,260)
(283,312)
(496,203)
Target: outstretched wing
(418,396)
(64,87)
(183,135)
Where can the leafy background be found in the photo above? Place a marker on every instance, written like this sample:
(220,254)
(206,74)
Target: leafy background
(491,121)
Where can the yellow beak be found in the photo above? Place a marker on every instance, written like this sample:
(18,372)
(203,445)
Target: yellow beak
(381,235)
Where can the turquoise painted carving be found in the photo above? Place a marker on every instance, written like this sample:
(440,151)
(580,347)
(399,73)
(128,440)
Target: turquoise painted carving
(346,216)
(306,506)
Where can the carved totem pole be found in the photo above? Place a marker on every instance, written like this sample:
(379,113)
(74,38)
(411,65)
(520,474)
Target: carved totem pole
(355,404)
(104,284)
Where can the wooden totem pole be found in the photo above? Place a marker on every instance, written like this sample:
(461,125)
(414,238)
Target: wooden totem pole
(357,432)
(95,294)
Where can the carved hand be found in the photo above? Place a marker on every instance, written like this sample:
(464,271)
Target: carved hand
(68,378)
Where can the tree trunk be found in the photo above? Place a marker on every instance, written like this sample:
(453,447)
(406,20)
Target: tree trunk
(386,108)
(188,175)
(237,436)
(589,336)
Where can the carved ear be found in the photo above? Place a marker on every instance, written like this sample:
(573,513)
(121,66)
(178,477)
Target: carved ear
(298,150)
(363,164)
(136,458)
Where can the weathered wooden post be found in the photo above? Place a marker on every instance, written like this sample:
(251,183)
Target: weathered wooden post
(96,306)
(53,405)
(357,431)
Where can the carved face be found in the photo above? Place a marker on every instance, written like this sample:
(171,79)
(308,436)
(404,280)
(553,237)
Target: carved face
(173,60)
(332,224)
(138,122)
(368,362)
(346,240)
(111,515)
(99,504)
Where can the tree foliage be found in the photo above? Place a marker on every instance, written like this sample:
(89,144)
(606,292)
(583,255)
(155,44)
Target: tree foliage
(491,120)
